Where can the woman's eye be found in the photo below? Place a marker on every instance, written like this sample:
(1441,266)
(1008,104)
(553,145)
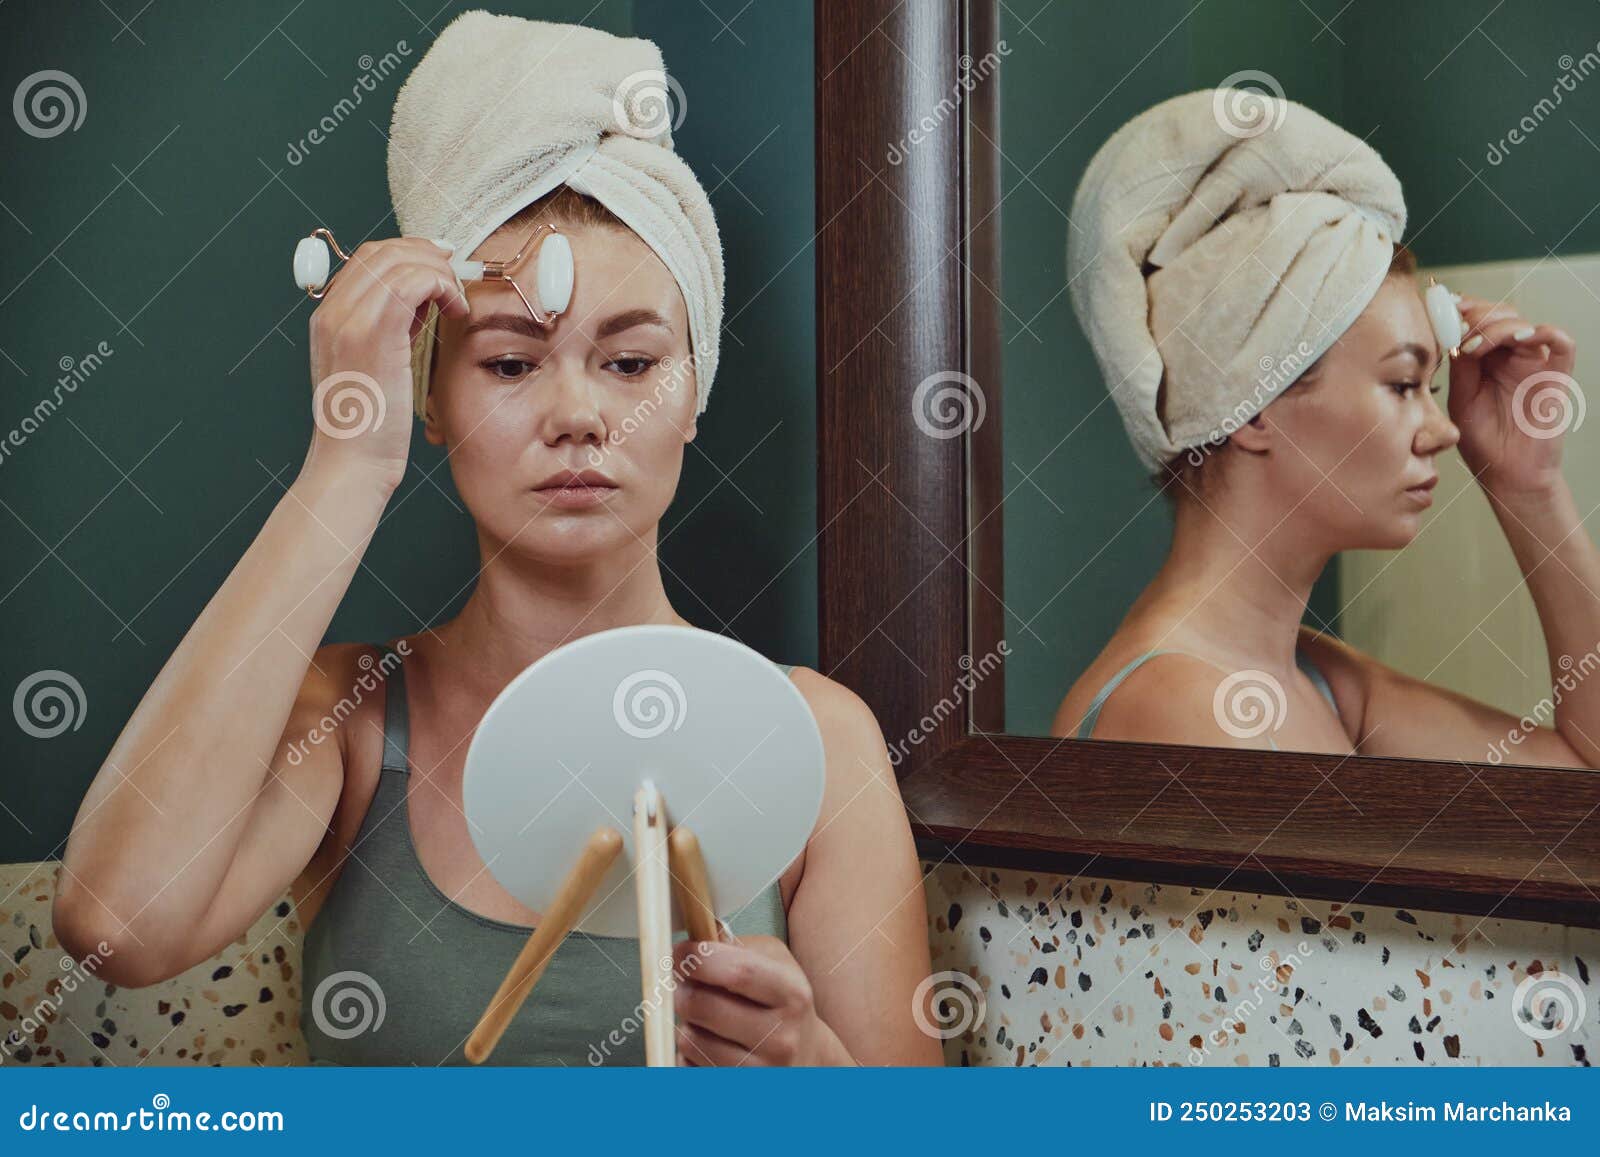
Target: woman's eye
(631,367)
(510,369)
(1404,388)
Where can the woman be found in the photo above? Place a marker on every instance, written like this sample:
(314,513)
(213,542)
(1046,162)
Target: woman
(1274,472)
(565,442)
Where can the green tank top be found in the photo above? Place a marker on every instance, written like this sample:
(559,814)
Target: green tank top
(396,973)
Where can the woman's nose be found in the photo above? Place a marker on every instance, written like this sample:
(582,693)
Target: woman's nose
(1438,431)
(571,409)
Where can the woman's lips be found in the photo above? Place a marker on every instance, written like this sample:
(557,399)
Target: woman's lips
(1422,492)
(574,495)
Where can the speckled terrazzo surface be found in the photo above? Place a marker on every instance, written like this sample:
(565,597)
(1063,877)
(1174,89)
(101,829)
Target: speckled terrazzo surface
(1078,971)
(241,1007)
(1070,972)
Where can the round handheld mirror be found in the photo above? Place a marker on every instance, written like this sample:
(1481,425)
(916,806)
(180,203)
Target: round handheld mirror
(722,732)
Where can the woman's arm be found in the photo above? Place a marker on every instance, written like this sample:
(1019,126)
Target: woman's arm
(1561,566)
(197,821)
(1389,713)
(844,989)
(202,814)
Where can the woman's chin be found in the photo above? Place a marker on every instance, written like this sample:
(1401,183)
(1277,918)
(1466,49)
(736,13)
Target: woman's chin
(564,540)
(1398,532)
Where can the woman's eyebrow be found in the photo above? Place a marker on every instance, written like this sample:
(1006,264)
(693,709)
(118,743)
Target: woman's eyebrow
(514,322)
(1422,353)
(618,323)
(521,323)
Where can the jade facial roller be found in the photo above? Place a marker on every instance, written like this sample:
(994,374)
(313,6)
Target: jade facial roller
(552,275)
(1443,311)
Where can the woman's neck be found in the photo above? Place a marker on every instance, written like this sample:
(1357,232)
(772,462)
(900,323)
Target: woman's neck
(521,610)
(1238,577)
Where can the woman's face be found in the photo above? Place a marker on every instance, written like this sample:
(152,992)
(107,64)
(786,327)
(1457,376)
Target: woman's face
(606,393)
(1354,442)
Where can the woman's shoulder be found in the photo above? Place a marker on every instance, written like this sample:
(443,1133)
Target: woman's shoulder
(852,741)
(860,793)
(836,708)
(1151,675)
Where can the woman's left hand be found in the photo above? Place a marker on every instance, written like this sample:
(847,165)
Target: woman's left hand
(748,1003)
(1511,396)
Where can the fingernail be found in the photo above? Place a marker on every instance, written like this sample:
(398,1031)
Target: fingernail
(445,245)
(1523,334)
(1472,343)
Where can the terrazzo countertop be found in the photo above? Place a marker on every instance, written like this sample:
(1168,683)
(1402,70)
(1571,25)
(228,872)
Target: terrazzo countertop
(1040,969)
(1031,969)
(241,1007)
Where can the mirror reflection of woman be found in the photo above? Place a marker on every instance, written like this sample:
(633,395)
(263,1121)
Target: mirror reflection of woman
(565,442)
(1343,457)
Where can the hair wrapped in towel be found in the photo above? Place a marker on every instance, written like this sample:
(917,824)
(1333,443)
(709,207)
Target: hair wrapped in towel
(501,110)
(1213,261)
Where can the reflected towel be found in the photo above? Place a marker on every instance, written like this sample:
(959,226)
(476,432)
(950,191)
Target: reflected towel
(1224,240)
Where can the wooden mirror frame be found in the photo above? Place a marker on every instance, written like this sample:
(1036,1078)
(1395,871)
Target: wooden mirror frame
(910,563)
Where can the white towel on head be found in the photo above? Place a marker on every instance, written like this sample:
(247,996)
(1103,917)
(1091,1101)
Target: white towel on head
(501,110)
(1215,258)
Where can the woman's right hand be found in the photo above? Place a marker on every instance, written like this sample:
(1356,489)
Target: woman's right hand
(361,335)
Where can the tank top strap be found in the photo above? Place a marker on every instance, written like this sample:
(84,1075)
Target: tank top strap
(1092,715)
(1318,679)
(396,716)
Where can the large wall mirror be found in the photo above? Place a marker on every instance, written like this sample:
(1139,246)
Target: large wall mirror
(1500,185)
(1328,670)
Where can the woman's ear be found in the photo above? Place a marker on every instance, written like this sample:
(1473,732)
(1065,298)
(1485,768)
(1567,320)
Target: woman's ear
(430,427)
(1257,436)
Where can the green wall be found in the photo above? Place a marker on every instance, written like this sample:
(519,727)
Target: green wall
(163,226)
(1414,79)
